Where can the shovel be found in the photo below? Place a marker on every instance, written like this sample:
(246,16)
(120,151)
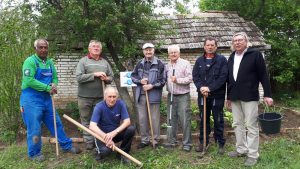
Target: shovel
(204,128)
(150,118)
(169,127)
(55,127)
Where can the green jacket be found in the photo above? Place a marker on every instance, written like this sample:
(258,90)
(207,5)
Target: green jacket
(29,70)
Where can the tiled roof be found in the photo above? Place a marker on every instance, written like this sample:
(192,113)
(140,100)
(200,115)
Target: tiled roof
(189,31)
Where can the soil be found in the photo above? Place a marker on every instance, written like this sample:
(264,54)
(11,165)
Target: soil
(291,119)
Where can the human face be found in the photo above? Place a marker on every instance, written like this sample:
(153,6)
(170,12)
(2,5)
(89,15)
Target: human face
(239,43)
(111,98)
(173,55)
(149,53)
(210,47)
(95,49)
(42,49)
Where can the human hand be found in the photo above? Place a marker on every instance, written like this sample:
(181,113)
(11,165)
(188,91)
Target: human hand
(147,87)
(268,101)
(144,81)
(173,79)
(100,74)
(204,90)
(53,89)
(228,104)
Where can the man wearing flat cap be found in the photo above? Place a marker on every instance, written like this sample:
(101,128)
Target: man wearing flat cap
(148,75)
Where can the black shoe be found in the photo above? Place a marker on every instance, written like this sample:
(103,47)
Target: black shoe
(169,145)
(221,149)
(200,147)
(142,145)
(124,160)
(90,146)
(99,157)
(73,150)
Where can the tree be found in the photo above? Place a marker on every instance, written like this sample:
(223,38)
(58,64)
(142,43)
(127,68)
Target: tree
(279,21)
(118,24)
(17,32)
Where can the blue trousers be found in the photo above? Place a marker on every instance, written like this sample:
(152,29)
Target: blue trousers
(37,109)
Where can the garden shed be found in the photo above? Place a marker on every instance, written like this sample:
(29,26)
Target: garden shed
(187,31)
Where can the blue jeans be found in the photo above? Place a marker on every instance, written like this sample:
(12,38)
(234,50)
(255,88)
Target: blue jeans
(37,108)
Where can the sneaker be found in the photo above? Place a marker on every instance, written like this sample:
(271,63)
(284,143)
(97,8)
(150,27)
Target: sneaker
(250,161)
(124,160)
(90,146)
(73,150)
(142,145)
(235,154)
(221,149)
(186,148)
(199,148)
(39,158)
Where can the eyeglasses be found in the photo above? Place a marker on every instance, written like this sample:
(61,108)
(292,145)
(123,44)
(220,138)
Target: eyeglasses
(238,40)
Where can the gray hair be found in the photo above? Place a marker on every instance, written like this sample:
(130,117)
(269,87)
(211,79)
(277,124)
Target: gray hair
(110,89)
(175,47)
(240,34)
(95,41)
(36,42)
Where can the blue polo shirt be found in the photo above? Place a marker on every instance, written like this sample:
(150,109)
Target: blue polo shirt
(109,118)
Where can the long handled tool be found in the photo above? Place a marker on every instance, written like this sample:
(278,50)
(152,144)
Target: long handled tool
(169,127)
(150,118)
(55,127)
(204,124)
(103,86)
(114,148)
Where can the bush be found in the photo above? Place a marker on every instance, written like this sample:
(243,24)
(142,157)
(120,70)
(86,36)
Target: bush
(17,31)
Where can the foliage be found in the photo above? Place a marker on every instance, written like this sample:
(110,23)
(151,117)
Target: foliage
(118,24)
(163,109)
(291,100)
(278,153)
(16,35)
(72,108)
(228,116)
(279,21)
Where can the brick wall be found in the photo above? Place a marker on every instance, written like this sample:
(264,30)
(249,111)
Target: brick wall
(67,87)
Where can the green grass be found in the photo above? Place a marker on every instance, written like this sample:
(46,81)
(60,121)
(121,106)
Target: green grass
(278,153)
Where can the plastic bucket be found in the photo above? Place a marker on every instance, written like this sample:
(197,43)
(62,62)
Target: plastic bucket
(270,123)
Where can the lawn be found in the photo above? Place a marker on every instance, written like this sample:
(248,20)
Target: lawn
(278,152)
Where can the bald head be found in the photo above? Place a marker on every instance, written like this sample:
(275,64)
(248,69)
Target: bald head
(111,96)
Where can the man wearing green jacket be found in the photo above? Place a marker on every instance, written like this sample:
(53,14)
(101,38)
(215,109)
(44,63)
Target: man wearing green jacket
(38,84)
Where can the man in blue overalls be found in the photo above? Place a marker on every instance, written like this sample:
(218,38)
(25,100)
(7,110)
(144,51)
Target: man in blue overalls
(38,84)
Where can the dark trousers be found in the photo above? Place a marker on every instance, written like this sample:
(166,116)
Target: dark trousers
(126,136)
(214,107)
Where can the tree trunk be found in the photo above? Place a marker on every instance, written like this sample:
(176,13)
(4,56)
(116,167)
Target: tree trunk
(124,95)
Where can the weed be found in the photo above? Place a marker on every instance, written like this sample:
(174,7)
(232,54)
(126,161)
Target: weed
(72,108)
(163,109)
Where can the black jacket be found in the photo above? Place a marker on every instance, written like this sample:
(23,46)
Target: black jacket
(252,70)
(214,76)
